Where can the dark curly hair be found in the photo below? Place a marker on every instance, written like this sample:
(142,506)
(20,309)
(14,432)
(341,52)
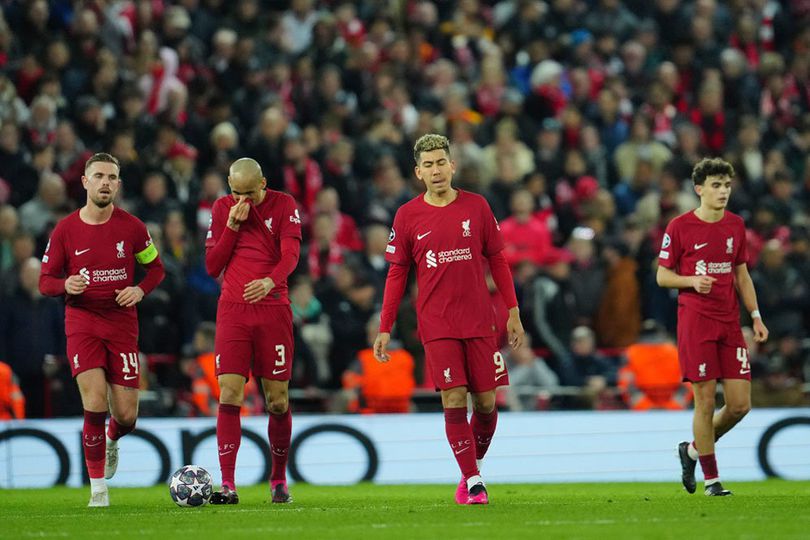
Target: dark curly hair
(711,167)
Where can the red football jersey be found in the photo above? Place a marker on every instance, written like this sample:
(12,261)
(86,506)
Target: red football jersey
(449,246)
(258,244)
(105,256)
(693,247)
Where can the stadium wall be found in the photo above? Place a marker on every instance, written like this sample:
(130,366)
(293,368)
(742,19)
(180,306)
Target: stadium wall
(393,449)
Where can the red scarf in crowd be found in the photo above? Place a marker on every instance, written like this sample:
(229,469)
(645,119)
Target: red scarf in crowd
(313,181)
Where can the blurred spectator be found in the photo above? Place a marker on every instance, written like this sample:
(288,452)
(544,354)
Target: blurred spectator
(587,275)
(313,335)
(31,326)
(525,236)
(372,258)
(9,222)
(651,379)
(640,146)
(12,401)
(618,317)
(529,378)
(23,247)
(38,213)
(379,387)
(347,236)
(302,177)
(773,383)
(782,292)
(155,202)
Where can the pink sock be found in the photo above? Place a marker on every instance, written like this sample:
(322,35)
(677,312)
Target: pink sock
(115,430)
(229,435)
(483,428)
(279,428)
(709,465)
(460,437)
(94,443)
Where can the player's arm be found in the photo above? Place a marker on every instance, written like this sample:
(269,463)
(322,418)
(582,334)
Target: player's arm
(502,276)
(290,252)
(52,279)
(222,235)
(395,284)
(745,287)
(149,258)
(671,280)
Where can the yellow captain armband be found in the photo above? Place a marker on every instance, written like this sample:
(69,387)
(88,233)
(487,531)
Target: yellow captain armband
(147,255)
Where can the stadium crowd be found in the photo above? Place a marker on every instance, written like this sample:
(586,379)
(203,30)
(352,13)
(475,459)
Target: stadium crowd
(579,120)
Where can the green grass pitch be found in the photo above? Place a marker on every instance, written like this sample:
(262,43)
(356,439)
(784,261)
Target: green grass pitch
(771,509)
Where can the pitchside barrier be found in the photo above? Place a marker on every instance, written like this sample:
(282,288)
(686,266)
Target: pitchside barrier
(530,447)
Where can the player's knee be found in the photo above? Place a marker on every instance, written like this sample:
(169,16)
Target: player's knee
(231,396)
(739,410)
(126,418)
(484,404)
(278,405)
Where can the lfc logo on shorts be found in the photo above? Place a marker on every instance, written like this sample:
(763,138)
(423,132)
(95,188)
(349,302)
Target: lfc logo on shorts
(702,370)
(447,377)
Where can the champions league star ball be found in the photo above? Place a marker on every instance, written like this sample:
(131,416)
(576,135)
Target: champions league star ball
(190,486)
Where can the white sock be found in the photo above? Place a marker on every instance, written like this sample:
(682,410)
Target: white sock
(479,463)
(475,479)
(97,485)
(707,483)
(692,451)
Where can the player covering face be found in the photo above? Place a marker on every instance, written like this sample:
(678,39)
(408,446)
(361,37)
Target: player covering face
(704,256)
(90,259)
(253,242)
(447,234)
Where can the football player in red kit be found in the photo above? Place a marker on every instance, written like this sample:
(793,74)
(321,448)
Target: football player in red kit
(90,259)
(448,234)
(704,256)
(255,238)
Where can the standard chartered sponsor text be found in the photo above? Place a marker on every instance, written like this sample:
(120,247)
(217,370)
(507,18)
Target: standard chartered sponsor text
(720,268)
(454,255)
(112,274)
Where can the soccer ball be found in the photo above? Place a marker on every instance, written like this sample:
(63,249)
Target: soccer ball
(190,485)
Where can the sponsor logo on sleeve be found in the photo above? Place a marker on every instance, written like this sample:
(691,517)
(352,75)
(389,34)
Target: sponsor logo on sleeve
(390,249)
(663,254)
(392,235)
(666,242)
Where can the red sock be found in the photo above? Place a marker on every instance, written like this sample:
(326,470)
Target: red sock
(115,430)
(483,428)
(229,435)
(94,443)
(709,465)
(460,437)
(279,428)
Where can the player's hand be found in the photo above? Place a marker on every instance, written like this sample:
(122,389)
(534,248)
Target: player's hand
(258,289)
(129,297)
(381,347)
(514,328)
(703,284)
(76,284)
(238,213)
(760,331)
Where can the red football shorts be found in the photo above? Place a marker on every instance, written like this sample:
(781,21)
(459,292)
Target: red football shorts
(257,338)
(117,357)
(475,363)
(710,349)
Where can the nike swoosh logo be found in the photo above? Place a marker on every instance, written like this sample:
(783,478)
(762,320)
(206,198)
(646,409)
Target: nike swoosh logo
(698,246)
(225,453)
(277,371)
(462,450)
(499,376)
(77,252)
(745,371)
(420,236)
(129,377)
(92,445)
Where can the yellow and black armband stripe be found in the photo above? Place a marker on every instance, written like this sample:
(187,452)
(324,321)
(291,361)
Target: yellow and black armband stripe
(147,255)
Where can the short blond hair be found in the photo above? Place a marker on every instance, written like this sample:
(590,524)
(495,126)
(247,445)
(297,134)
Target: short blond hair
(429,142)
